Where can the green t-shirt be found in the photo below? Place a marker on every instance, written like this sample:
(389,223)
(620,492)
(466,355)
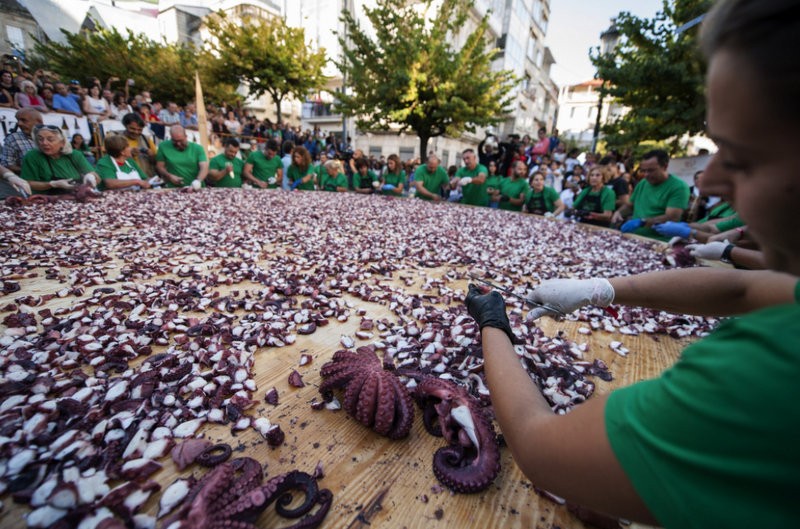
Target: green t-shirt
(493,183)
(107,169)
(184,164)
(542,202)
(264,169)
(512,189)
(234,179)
(730,224)
(474,194)
(295,174)
(328,183)
(651,201)
(596,202)
(432,182)
(365,182)
(720,211)
(713,441)
(396,179)
(37,167)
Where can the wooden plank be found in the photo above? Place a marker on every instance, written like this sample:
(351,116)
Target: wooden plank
(377,482)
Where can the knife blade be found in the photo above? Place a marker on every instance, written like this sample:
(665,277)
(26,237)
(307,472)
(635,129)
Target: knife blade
(511,293)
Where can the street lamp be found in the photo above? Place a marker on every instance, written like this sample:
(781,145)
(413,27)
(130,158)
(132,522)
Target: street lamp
(608,39)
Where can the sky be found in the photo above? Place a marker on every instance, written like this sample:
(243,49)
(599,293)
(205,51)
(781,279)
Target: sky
(575,26)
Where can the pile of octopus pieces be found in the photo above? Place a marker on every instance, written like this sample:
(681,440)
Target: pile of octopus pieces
(375,396)
(232,495)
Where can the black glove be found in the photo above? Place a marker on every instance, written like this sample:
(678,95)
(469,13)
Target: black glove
(504,198)
(489,310)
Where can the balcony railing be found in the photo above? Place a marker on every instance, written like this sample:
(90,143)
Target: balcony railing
(319,110)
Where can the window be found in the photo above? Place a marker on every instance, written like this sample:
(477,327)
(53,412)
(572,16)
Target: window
(15,38)
(572,112)
(375,151)
(445,158)
(406,153)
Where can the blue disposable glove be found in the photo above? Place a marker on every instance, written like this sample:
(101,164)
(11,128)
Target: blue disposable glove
(631,225)
(674,229)
(296,184)
(388,187)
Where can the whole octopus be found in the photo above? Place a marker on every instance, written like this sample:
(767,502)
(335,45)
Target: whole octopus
(376,397)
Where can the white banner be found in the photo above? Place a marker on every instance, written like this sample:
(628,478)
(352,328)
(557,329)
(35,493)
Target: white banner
(68,123)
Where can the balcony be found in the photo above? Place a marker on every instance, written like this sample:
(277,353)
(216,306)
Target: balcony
(320,112)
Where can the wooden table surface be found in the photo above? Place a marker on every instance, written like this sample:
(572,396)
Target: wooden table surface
(377,482)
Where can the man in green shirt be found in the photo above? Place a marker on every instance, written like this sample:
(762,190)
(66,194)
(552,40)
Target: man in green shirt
(659,198)
(473,180)
(513,190)
(264,170)
(179,162)
(225,169)
(430,179)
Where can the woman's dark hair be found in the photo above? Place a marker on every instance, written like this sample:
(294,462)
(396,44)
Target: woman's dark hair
(766,35)
(127,119)
(305,157)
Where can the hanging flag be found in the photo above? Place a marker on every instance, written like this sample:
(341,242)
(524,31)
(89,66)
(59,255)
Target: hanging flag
(202,120)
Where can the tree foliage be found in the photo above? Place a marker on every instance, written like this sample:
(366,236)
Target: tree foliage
(657,75)
(166,70)
(266,55)
(410,75)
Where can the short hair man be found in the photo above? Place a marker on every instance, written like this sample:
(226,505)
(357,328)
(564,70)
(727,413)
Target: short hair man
(170,115)
(659,197)
(19,142)
(473,180)
(66,102)
(264,169)
(225,169)
(179,162)
(429,179)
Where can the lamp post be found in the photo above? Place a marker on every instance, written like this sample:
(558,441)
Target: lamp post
(608,39)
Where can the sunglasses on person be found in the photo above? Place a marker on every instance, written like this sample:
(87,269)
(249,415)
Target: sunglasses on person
(41,126)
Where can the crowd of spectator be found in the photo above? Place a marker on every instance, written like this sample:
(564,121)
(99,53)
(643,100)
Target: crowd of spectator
(539,176)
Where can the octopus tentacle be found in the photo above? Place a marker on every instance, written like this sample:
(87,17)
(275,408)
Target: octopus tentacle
(214,455)
(297,480)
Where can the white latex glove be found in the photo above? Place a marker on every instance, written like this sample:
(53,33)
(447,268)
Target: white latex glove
(272,181)
(247,186)
(19,183)
(568,295)
(376,184)
(90,179)
(549,215)
(155,181)
(466,180)
(711,251)
(65,183)
(675,240)
(196,185)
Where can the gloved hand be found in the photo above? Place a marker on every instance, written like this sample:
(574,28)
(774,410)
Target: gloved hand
(296,184)
(196,185)
(272,181)
(674,229)
(488,310)
(631,225)
(388,187)
(90,179)
(504,198)
(568,295)
(64,183)
(711,251)
(466,180)
(18,183)
(549,215)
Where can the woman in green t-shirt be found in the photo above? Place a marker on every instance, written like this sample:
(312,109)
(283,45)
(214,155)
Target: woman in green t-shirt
(53,167)
(301,172)
(393,180)
(117,169)
(542,199)
(595,204)
(493,184)
(334,179)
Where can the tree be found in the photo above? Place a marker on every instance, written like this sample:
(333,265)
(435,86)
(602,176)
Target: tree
(266,55)
(165,70)
(410,76)
(657,74)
